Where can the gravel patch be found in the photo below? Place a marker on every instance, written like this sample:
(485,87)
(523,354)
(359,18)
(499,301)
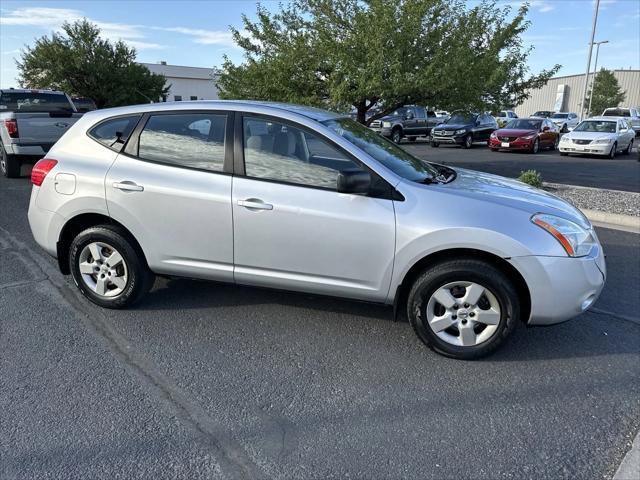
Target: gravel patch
(611,201)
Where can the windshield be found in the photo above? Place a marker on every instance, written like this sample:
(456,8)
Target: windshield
(616,112)
(596,126)
(34,102)
(560,115)
(525,124)
(461,117)
(384,151)
(542,114)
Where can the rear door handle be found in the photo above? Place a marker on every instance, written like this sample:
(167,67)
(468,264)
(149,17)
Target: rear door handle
(128,186)
(255,204)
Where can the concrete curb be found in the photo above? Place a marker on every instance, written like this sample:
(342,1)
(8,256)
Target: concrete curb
(629,221)
(629,468)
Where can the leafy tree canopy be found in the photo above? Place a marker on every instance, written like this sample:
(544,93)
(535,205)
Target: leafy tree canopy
(384,53)
(606,92)
(81,63)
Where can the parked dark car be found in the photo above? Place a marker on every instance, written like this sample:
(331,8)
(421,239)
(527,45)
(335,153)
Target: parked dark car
(543,114)
(464,128)
(529,134)
(84,104)
(410,121)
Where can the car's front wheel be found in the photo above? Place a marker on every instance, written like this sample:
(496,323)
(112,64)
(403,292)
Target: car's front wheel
(629,148)
(396,135)
(613,151)
(107,268)
(536,146)
(463,308)
(468,141)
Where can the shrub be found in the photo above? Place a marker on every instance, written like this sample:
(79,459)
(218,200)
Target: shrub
(531,177)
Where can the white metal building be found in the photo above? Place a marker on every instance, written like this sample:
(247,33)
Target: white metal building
(565,93)
(187,83)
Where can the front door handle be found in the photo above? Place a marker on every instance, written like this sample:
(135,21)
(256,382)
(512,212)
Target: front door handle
(255,204)
(128,186)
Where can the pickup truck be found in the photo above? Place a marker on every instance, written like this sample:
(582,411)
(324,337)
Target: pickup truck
(410,121)
(31,121)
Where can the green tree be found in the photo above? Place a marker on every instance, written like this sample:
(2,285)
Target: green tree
(606,92)
(384,53)
(79,62)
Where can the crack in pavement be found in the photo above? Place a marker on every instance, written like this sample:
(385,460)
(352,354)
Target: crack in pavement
(232,457)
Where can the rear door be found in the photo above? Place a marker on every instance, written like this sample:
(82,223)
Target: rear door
(293,229)
(171,187)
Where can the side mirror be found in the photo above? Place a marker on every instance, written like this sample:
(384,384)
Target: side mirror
(545,129)
(354,180)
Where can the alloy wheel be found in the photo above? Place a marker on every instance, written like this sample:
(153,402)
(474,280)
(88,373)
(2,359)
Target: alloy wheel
(396,136)
(468,141)
(103,269)
(536,146)
(463,313)
(614,149)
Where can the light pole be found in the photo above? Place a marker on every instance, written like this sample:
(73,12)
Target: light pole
(586,75)
(595,72)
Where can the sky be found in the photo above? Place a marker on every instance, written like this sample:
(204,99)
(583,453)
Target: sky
(196,33)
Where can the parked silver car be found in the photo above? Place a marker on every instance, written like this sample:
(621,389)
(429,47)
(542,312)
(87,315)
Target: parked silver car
(599,136)
(565,121)
(632,114)
(297,198)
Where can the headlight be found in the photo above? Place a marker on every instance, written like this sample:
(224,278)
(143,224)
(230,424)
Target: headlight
(602,140)
(565,138)
(529,137)
(493,135)
(461,131)
(575,240)
(386,124)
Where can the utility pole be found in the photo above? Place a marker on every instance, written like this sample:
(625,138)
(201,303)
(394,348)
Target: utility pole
(586,75)
(595,72)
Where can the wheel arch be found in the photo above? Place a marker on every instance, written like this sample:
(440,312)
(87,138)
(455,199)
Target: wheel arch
(81,222)
(402,291)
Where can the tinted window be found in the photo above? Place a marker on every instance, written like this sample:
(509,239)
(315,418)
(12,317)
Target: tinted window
(114,132)
(177,98)
(420,113)
(559,115)
(277,151)
(41,102)
(525,124)
(616,112)
(193,97)
(431,114)
(194,140)
(462,118)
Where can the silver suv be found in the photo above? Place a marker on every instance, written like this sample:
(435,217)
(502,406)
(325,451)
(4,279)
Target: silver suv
(297,198)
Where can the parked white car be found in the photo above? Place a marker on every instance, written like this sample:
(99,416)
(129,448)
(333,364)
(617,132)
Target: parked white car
(505,116)
(565,121)
(599,136)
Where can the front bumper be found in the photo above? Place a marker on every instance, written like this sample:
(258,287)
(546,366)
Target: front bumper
(384,131)
(591,148)
(518,144)
(452,139)
(562,287)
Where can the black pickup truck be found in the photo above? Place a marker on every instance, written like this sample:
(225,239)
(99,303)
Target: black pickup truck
(410,121)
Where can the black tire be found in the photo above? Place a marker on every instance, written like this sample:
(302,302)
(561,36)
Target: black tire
(435,144)
(629,148)
(614,150)
(563,154)
(140,278)
(412,139)
(471,270)
(468,141)
(396,135)
(556,142)
(9,164)
(536,146)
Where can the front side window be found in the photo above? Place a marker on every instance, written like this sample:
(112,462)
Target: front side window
(281,152)
(114,132)
(193,140)
(420,113)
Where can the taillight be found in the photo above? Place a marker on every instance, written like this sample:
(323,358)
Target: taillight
(40,170)
(12,127)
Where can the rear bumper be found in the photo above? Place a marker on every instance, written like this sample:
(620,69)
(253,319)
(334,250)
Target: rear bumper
(562,287)
(45,225)
(28,149)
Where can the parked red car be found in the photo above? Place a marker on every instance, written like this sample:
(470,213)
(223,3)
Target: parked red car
(529,134)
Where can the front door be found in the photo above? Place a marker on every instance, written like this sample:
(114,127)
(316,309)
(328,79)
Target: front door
(170,188)
(293,230)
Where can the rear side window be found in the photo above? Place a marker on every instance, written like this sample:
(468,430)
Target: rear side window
(114,132)
(193,140)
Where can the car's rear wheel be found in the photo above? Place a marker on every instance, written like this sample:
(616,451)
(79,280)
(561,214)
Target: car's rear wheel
(468,141)
(613,151)
(9,164)
(108,268)
(396,135)
(629,148)
(463,308)
(556,142)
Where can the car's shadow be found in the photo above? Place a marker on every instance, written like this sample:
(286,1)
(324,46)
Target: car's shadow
(589,335)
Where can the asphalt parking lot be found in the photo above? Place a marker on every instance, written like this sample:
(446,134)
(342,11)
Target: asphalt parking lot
(621,173)
(204,380)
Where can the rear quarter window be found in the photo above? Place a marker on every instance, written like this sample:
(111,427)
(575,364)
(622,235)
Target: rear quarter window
(114,132)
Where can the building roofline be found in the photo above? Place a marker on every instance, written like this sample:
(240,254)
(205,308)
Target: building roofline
(582,74)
